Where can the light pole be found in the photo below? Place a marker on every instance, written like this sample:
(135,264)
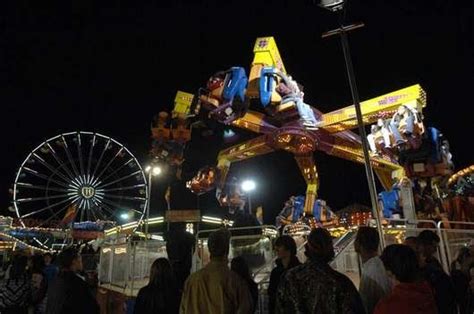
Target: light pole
(152,170)
(248,186)
(338,5)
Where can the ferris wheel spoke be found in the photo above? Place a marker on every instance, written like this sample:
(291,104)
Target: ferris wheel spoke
(89,159)
(51,168)
(113,204)
(55,214)
(61,163)
(44,198)
(101,157)
(97,207)
(79,153)
(47,207)
(116,170)
(92,211)
(44,177)
(129,198)
(41,187)
(69,156)
(106,207)
(131,187)
(109,163)
(119,180)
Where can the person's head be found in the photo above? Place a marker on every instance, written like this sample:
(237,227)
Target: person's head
(319,246)
(400,262)
(285,246)
(427,243)
(411,242)
(161,273)
(402,110)
(367,241)
(37,264)
(239,266)
(218,243)
(19,264)
(48,258)
(70,259)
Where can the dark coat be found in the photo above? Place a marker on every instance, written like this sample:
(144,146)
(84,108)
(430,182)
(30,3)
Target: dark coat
(316,288)
(70,294)
(153,300)
(275,277)
(442,285)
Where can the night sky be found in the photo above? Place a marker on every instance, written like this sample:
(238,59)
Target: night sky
(110,69)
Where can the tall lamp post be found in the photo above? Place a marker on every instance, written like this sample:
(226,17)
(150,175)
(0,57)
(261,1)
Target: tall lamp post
(248,186)
(152,170)
(338,6)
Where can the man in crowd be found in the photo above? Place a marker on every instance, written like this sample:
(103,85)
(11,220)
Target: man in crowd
(285,247)
(69,293)
(50,270)
(432,271)
(315,287)
(215,289)
(374,282)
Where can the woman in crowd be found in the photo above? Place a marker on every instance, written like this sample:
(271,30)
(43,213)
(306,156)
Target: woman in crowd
(410,294)
(239,266)
(161,295)
(39,285)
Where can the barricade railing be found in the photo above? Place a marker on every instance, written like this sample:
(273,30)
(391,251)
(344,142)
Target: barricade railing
(453,239)
(259,240)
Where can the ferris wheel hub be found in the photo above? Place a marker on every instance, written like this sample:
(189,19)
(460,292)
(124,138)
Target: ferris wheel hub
(87,191)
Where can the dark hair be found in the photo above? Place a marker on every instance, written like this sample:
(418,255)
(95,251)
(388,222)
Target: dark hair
(240,267)
(66,257)
(161,274)
(427,237)
(368,238)
(218,243)
(287,242)
(401,261)
(37,264)
(411,238)
(319,246)
(18,268)
(48,254)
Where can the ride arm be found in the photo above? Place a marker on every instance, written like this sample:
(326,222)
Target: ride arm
(308,170)
(246,150)
(386,170)
(266,54)
(414,97)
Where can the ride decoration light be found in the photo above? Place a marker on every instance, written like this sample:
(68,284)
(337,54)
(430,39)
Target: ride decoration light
(133,224)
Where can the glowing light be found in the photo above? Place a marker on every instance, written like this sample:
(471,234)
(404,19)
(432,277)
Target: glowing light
(125,216)
(156,171)
(228,133)
(248,185)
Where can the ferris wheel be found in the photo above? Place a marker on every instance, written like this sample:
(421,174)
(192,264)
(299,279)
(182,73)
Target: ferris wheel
(78,177)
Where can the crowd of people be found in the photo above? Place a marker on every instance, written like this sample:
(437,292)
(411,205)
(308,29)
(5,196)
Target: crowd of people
(405,278)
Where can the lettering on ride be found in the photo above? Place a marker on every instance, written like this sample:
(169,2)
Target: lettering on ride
(387,100)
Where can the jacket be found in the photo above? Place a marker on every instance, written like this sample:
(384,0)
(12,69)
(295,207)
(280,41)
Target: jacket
(408,298)
(152,300)
(316,288)
(275,277)
(215,289)
(70,294)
